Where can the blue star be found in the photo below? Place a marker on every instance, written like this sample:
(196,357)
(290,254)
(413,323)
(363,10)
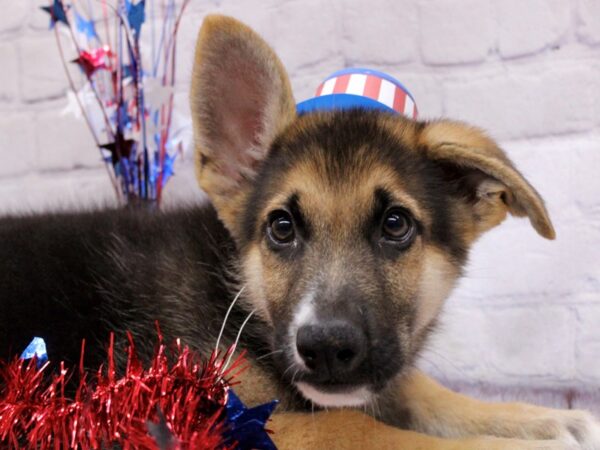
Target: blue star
(167,170)
(86,26)
(247,425)
(136,16)
(57,12)
(123,115)
(37,348)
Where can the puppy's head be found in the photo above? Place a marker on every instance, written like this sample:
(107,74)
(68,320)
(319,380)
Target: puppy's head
(352,226)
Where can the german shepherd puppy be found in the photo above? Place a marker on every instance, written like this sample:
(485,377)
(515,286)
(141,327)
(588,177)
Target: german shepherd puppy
(342,231)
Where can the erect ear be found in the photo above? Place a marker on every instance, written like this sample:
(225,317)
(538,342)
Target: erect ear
(484,176)
(240,100)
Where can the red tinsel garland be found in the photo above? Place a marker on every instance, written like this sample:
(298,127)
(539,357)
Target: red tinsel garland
(167,406)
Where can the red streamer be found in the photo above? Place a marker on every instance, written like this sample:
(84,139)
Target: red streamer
(184,400)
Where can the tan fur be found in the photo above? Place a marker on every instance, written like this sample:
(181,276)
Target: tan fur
(439,411)
(241,99)
(235,67)
(467,146)
(436,282)
(347,429)
(252,268)
(328,201)
(260,390)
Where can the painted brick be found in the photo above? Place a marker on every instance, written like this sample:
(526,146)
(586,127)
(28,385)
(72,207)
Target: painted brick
(42,73)
(588,338)
(65,190)
(64,142)
(9,75)
(18,144)
(543,100)
(526,342)
(515,344)
(14,15)
(573,161)
(190,24)
(302,33)
(528,27)
(501,271)
(588,15)
(379,31)
(455,32)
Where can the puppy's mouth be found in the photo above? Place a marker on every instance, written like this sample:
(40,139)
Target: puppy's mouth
(336,360)
(340,396)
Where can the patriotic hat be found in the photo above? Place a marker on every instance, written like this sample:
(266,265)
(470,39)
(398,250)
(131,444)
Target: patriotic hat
(361,88)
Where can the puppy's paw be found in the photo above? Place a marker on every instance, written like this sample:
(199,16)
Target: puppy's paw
(576,429)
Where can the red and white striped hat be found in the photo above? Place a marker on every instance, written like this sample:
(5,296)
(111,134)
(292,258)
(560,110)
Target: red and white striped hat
(361,88)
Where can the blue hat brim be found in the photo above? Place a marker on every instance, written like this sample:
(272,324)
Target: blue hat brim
(340,102)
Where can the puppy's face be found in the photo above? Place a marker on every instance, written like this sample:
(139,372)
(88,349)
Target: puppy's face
(349,247)
(352,226)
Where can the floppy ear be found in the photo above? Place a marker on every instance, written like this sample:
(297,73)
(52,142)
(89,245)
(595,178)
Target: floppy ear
(484,175)
(240,100)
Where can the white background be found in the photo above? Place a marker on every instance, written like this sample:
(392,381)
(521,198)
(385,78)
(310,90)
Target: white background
(528,312)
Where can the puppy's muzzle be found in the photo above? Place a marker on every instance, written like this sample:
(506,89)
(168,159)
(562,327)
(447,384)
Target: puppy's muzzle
(332,350)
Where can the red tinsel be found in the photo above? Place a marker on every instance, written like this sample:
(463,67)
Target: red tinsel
(169,405)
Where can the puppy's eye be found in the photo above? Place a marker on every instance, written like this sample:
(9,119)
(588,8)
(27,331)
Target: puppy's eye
(281,228)
(398,226)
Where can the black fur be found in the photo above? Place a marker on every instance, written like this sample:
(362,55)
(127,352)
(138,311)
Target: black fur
(69,276)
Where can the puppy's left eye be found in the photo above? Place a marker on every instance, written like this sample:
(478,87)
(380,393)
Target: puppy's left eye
(398,226)
(281,228)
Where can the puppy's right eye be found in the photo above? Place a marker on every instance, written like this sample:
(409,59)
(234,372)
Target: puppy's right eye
(281,228)
(398,227)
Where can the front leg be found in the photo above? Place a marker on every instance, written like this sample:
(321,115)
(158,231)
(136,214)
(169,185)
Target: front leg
(351,430)
(431,408)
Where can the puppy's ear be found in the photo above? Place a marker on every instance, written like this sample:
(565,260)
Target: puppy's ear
(240,100)
(484,176)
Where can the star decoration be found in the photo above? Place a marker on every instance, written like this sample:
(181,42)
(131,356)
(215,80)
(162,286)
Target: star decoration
(37,348)
(247,425)
(136,16)
(87,27)
(92,60)
(120,148)
(167,169)
(58,13)
(122,117)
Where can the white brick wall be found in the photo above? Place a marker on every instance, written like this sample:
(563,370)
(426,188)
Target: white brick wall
(528,312)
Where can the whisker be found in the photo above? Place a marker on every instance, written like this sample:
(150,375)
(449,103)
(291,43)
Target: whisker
(295,373)
(291,366)
(237,339)
(226,317)
(269,354)
(375,408)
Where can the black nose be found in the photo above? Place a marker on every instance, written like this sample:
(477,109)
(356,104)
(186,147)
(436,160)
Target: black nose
(331,349)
